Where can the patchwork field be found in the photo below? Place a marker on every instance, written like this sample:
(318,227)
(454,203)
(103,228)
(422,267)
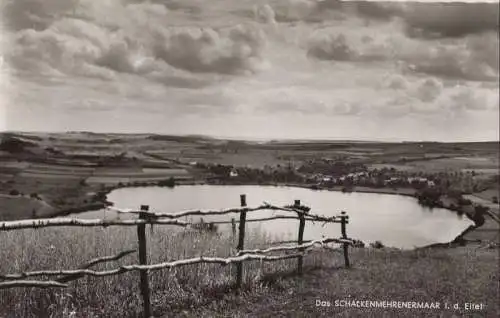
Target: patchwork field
(63,168)
(12,206)
(46,174)
(487,165)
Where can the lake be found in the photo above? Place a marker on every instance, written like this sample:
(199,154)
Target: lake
(396,221)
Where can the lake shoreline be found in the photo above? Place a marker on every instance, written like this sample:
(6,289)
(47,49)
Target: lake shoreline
(457,241)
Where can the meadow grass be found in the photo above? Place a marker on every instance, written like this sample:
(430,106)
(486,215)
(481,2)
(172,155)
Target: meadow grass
(119,296)
(457,275)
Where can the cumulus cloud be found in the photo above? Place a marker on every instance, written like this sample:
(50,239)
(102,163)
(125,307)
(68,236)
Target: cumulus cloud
(334,59)
(462,98)
(429,89)
(376,10)
(300,99)
(86,38)
(264,14)
(434,97)
(359,45)
(424,19)
(35,14)
(450,19)
(293,10)
(231,51)
(332,47)
(420,19)
(474,57)
(134,41)
(396,82)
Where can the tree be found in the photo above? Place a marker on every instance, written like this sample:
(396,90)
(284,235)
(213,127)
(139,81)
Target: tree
(463,201)
(429,197)
(377,244)
(99,197)
(454,194)
(479,214)
(170,182)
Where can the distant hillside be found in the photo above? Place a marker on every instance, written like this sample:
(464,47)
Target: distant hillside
(186,138)
(15,144)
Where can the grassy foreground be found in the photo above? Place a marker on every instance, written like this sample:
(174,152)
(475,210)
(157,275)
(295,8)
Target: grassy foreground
(460,275)
(453,276)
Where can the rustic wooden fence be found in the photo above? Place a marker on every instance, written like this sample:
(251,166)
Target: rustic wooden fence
(146,217)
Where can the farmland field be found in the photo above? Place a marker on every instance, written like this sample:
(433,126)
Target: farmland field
(61,173)
(79,163)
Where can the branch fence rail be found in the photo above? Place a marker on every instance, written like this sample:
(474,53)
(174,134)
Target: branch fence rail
(63,277)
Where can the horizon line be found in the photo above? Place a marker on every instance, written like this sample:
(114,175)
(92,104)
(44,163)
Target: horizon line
(251,139)
(426,1)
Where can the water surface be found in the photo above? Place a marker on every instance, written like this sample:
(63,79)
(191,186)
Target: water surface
(396,221)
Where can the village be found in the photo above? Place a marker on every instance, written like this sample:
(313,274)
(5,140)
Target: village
(45,176)
(324,173)
(443,189)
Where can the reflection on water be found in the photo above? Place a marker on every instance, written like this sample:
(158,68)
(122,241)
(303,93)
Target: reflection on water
(394,220)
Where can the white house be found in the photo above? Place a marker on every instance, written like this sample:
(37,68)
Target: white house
(417,179)
(233,173)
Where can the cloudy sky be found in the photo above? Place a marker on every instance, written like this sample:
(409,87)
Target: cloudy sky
(252,68)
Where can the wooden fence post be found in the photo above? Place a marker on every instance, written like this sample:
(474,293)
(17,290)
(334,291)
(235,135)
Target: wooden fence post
(241,241)
(300,241)
(143,260)
(344,220)
(233,227)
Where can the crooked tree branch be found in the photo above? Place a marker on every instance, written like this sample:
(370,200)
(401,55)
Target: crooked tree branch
(176,215)
(31,283)
(42,223)
(159,266)
(39,223)
(52,222)
(94,262)
(295,247)
(277,217)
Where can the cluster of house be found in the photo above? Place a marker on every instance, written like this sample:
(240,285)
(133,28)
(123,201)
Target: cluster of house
(365,177)
(356,175)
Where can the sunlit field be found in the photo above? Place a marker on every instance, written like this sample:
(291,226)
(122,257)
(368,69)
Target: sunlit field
(119,296)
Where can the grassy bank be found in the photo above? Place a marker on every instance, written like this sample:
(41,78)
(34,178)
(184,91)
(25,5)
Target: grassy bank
(118,296)
(451,275)
(401,191)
